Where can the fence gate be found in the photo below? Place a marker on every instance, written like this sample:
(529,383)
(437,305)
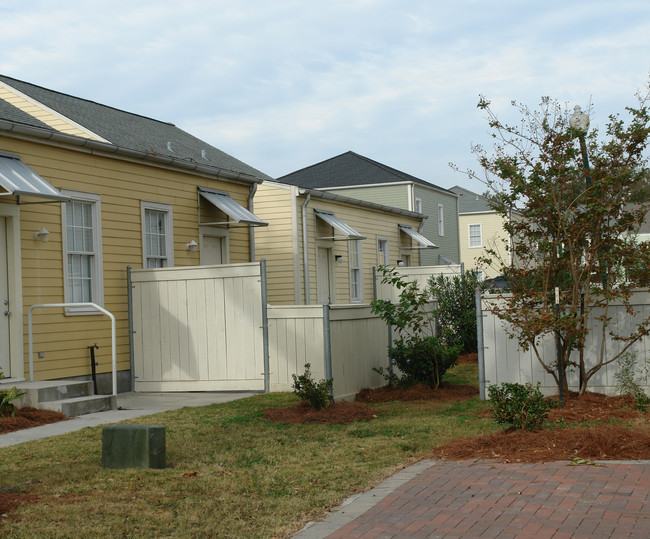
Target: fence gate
(198,328)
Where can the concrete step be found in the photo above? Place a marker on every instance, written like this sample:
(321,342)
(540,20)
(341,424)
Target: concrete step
(37,392)
(76,406)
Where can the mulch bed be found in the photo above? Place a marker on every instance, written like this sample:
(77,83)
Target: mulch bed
(28,417)
(418,392)
(606,442)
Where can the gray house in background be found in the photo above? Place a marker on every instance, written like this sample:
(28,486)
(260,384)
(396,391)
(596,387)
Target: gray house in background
(356,176)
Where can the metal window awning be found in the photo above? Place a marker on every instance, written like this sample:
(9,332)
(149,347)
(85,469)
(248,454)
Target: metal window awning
(424,243)
(235,212)
(348,232)
(17,179)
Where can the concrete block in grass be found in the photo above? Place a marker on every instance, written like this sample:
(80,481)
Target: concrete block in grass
(133,446)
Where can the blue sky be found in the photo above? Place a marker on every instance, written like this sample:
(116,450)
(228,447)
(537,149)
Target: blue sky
(284,84)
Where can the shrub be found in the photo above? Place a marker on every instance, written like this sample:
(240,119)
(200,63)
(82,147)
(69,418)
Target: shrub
(628,383)
(522,406)
(420,357)
(423,360)
(456,312)
(6,396)
(317,394)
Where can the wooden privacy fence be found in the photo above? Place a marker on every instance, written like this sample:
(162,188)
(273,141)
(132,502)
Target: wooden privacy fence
(202,329)
(344,342)
(419,274)
(506,362)
(197,328)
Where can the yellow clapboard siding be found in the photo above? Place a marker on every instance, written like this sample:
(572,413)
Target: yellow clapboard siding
(122,185)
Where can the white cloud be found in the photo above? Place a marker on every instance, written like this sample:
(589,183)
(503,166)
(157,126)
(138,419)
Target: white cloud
(287,83)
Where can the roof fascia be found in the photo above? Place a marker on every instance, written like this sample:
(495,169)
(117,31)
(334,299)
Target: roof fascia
(349,201)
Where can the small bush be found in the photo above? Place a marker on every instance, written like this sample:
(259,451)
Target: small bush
(522,406)
(628,383)
(7,408)
(317,394)
(423,360)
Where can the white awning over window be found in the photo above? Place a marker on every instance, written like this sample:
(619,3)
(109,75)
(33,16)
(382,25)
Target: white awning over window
(345,229)
(235,211)
(424,242)
(17,179)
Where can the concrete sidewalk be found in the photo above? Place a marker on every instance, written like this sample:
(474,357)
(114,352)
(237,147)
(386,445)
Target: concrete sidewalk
(129,405)
(489,499)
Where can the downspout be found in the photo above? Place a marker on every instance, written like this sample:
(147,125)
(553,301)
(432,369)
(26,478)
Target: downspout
(420,228)
(305,247)
(251,229)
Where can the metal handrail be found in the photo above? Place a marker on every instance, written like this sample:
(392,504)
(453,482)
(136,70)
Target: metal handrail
(91,305)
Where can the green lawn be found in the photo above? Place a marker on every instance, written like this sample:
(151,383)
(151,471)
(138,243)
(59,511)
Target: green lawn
(231,473)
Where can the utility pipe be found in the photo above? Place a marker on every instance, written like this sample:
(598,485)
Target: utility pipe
(251,229)
(84,304)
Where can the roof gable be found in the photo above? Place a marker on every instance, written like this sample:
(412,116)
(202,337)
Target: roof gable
(132,131)
(470,202)
(349,169)
(15,115)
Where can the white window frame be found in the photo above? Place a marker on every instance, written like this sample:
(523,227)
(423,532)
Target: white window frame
(382,240)
(417,206)
(97,263)
(480,236)
(169,232)
(356,273)
(441,220)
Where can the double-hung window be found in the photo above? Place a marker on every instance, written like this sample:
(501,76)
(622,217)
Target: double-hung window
(382,251)
(157,235)
(82,250)
(356,284)
(441,220)
(475,236)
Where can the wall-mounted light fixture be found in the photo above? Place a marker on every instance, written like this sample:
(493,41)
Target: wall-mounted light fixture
(338,259)
(191,246)
(42,234)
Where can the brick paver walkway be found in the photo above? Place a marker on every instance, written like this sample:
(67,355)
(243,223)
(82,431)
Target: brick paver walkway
(490,499)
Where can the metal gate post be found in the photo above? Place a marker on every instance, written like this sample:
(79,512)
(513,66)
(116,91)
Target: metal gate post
(265,327)
(327,344)
(479,343)
(129,294)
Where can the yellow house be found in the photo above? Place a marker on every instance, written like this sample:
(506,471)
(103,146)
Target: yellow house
(481,228)
(85,191)
(321,247)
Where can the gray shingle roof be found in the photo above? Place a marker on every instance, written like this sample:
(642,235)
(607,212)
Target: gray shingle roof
(470,202)
(15,115)
(349,169)
(131,131)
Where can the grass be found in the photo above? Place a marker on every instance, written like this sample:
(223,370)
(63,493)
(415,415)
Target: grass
(231,473)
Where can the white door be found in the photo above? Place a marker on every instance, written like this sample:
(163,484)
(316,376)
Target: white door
(324,276)
(212,250)
(5,363)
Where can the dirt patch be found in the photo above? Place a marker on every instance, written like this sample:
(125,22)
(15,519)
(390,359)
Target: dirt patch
(468,358)
(10,501)
(339,412)
(28,417)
